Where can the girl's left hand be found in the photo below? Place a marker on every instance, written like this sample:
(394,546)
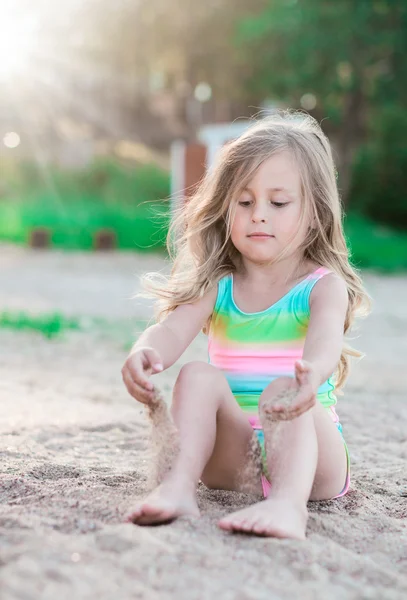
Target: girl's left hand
(306,383)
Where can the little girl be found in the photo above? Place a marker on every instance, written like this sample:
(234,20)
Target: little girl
(262,267)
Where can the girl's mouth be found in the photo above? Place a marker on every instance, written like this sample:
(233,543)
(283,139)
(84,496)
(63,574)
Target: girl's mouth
(260,235)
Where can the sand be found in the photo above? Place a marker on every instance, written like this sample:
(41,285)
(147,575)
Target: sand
(163,440)
(74,458)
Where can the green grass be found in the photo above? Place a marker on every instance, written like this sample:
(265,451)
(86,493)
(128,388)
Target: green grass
(143,227)
(49,325)
(121,332)
(74,205)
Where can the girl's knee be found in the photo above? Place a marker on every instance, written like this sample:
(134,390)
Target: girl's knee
(198,381)
(197,378)
(199,370)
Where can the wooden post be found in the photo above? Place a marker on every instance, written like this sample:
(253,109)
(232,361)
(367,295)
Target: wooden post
(195,167)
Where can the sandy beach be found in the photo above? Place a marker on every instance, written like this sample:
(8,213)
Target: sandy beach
(74,457)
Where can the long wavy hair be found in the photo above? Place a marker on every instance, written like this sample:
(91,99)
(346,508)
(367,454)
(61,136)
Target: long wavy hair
(199,242)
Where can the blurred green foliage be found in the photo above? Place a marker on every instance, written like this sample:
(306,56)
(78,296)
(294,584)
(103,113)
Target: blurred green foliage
(379,177)
(121,332)
(349,57)
(74,205)
(374,246)
(50,325)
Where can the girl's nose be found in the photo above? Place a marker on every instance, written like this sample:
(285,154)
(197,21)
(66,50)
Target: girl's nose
(257,217)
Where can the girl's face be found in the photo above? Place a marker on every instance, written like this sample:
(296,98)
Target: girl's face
(268,211)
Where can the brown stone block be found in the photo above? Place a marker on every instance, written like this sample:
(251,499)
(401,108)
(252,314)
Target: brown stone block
(40,237)
(105,239)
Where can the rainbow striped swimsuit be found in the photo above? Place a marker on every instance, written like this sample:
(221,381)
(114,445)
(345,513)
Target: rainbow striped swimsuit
(253,349)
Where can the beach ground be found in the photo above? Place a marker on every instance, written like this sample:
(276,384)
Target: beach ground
(74,457)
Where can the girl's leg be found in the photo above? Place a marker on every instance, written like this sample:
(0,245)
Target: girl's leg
(214,439)
(306,460)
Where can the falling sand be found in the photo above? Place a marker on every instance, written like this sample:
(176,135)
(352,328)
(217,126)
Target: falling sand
(164,440)
(254,466)
(252,469)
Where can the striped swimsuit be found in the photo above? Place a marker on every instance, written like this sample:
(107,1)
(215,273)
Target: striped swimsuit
(253,349)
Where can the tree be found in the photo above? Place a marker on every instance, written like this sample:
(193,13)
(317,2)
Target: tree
(348,54)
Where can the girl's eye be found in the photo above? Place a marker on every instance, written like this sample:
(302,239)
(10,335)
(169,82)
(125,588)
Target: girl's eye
(248,202)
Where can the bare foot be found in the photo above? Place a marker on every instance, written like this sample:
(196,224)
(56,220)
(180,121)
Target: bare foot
(274,517)
(171,499)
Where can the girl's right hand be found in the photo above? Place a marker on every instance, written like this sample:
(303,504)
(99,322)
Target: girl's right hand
(141,363)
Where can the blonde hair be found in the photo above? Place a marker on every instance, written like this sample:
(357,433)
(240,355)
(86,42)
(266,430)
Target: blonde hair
(199,240)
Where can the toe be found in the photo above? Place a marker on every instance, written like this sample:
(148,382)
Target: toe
(154,519)
(260,527)
(134,515)
(246,524)
(225,524)
(150,509)
(145,514)
(254,523)
(236,523)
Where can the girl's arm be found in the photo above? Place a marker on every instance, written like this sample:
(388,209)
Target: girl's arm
(324,340)
(173,335)
(323,344)
(162,344)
